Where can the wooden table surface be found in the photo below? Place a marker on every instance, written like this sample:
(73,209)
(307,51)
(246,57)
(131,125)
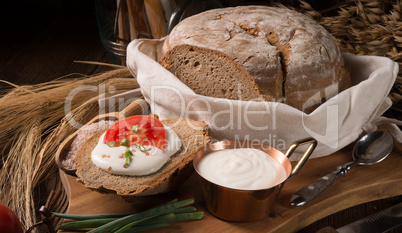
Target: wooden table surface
(40,41)
(362,184)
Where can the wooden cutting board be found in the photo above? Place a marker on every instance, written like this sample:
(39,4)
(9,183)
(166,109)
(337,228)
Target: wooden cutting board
(362,184)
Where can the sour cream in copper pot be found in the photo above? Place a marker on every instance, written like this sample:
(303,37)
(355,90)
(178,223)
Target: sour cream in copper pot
(244,169)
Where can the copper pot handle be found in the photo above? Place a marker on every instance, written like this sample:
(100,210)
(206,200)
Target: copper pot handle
(306,155)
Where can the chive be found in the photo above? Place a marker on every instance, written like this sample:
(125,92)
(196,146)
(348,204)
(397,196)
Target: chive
(173,217)
(155,217)
(172,201)
(89,216)
(188,216)
(163,218)
(128,152)
(187,209)
(127,156)
(84,224)
(111,143)
(125,221)
(137,218)
(135,128)
(141,148)
(97,220)
(146,227)
(124,142)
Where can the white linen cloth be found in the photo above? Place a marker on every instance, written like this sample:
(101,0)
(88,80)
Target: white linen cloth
(334,124)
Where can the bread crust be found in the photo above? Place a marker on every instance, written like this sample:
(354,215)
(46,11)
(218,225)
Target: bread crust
(194,136)
(291,58)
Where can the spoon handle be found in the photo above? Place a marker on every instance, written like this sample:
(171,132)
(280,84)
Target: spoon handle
(312,190)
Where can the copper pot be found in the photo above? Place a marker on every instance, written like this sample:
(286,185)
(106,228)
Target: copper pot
(248,205)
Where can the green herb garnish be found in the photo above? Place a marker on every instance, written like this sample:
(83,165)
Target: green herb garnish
(141,148)
(135,128)
(127,156)
(124,142)
(159,216)
(111,143)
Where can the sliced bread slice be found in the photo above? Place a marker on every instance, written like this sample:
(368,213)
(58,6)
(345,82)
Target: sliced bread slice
(211,73)
(194,136)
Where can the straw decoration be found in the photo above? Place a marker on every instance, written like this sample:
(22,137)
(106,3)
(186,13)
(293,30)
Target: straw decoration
(33,124)
(366,28)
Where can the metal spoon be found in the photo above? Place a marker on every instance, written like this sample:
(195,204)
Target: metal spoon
(370,149)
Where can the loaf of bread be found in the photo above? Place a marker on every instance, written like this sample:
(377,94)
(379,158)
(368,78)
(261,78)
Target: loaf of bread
(194,136)
(256,53)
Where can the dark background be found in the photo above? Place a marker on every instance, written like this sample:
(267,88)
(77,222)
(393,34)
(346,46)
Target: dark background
(40,40)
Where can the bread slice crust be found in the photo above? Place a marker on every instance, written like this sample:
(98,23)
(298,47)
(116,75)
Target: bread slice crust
(217,75)
(194,136)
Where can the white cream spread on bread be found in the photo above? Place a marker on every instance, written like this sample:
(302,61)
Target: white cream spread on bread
(145,162)
(244,169)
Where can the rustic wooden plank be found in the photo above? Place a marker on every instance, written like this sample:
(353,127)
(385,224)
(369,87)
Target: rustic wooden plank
(361,185)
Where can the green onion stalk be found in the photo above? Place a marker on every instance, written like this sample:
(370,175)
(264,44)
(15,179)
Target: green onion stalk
(156,217)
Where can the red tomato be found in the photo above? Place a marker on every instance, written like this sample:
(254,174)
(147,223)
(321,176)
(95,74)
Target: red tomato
(9,222)
(150,132)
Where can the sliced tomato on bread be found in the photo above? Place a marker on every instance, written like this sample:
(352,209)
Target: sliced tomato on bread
(139,129)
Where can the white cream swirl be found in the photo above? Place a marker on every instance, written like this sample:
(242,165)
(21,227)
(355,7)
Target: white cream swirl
(111,159)
(244,169)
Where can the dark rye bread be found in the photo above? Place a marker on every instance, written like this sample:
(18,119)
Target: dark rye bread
(291,58)
(194,136)
(212,66)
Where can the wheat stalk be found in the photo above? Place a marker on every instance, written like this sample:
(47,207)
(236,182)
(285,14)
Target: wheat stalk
(33,123)
(366,28)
